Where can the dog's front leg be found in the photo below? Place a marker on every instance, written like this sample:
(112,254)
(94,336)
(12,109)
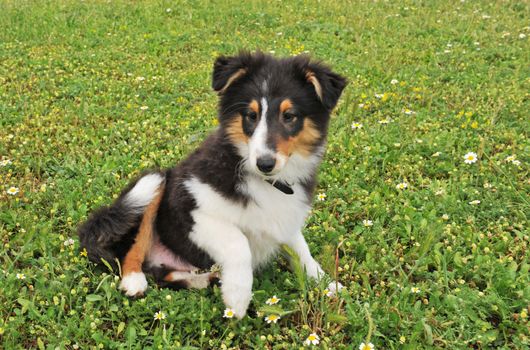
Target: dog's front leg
(229,248)
(298,243)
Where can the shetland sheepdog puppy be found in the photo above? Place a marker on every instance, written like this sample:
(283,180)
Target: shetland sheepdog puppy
(244,192)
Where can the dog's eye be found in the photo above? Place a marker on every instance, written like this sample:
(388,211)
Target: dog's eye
(252,116)
(289,117)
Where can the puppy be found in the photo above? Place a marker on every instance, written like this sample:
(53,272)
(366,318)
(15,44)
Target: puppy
(244,192)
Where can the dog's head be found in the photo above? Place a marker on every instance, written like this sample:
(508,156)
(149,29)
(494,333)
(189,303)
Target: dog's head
(273,109)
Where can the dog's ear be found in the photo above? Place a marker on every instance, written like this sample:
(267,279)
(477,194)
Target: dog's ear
(226,70)
(328,84)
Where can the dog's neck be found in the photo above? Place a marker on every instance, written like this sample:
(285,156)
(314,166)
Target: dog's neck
(281,186)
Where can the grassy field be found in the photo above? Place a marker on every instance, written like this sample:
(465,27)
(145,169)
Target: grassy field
(433,250)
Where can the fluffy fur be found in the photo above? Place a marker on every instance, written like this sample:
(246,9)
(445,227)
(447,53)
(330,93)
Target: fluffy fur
(245,191)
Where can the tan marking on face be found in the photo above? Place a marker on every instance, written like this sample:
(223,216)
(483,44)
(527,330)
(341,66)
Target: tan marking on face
(142,244)
(285,105)
(310,76)
(254,105)
(235,131)
(302,143)
(233,78)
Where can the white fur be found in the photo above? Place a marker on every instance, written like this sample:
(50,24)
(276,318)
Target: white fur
(257,146)
(229,247)
(134,284)
(243,237)
(194,280)
(144,191)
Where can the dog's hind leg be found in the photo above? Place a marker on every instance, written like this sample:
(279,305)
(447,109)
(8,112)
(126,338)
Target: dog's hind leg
(174,279)
(133,281)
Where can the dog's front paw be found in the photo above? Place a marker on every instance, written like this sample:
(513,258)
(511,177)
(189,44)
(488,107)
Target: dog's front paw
(134,284)
(333,288)
(237,299)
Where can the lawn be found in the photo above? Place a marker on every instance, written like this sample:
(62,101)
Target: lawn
(432,245)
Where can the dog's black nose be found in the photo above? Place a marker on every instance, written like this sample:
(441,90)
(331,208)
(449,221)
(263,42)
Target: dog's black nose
(266,164)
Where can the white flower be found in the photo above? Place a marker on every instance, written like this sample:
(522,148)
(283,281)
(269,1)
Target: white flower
(159,316)
(385,121)
(394,81)
(522,36)
(439,192)
(21,276)
(516,162)
(402,185)
(368,223)
(487,185)
(445,217)
(68,242)
(12,190)
(415,290)
(470,157)
(379,96)
(273,300)
(361,105)
(5,162)
(139,79)
(229,313)
(144,108)
(436,154)
(510,158)
(366,346)
(356,125)
(272,318)
(321,197)
(328,293)
(475,202)
(408,111)
(312,339)
(168,10)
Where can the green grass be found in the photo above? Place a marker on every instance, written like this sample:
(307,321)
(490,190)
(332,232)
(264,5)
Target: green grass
(72,127)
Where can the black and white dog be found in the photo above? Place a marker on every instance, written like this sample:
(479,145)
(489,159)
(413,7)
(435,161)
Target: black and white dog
(244,192)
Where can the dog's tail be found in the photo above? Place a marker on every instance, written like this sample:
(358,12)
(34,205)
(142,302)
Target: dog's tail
(110,231)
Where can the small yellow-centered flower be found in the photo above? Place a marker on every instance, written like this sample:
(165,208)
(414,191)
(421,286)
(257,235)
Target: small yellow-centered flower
(470,158)
(21,276)
(415,290)
(402,339)
(159,316)
(312,339)
(12,190)
(356,125)
(368,223)
(366,346)
(321,197)
(229,313)
(272,318)
(402,186)
(273,300)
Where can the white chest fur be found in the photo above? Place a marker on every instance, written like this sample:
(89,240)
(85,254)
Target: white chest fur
(268,219)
